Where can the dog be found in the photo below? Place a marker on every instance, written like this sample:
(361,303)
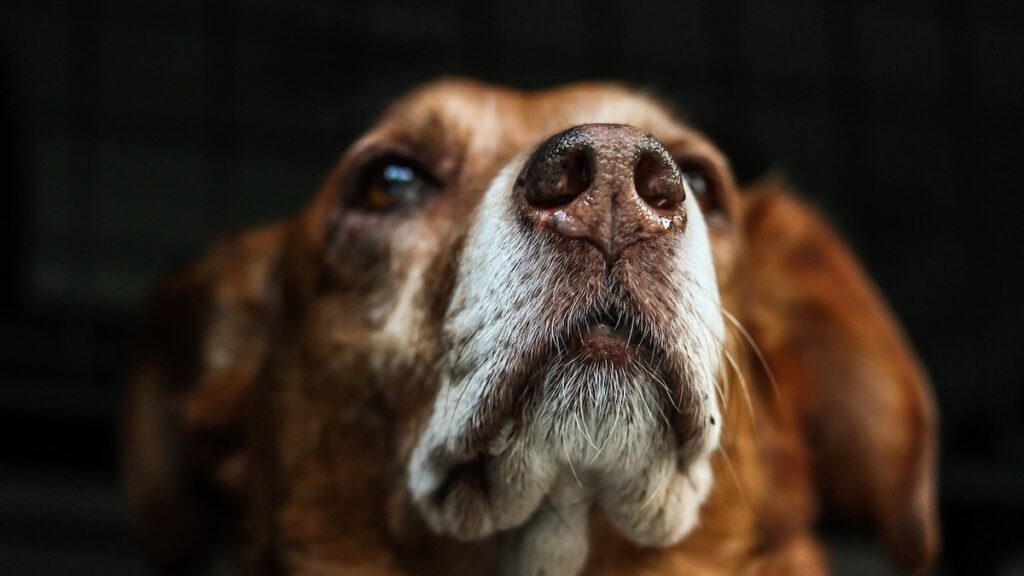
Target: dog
(527,333)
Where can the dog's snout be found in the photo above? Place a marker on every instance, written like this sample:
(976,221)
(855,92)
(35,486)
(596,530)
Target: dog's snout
(608,184)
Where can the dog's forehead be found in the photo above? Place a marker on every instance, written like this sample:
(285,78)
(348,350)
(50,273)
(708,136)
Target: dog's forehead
(484,118)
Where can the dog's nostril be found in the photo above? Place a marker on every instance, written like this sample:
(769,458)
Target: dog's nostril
(658,183)
(565,179)
(577,174)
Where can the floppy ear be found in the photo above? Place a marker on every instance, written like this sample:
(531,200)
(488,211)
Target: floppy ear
(842,362)
(200,346)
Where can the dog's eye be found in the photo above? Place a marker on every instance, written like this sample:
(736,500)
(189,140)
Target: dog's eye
(391,184)
(702,185)
(697,183)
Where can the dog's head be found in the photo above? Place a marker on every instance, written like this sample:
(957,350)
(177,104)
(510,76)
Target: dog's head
(507,310)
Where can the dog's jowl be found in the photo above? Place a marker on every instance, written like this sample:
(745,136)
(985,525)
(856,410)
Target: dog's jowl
(527,333)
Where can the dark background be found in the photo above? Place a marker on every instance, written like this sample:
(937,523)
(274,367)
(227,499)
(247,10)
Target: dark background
(139,131)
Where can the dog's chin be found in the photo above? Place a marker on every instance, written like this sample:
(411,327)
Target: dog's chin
(597,426)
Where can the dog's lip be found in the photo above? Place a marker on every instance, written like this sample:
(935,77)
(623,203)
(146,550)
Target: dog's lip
(601,336)
(606,330)
(605,326)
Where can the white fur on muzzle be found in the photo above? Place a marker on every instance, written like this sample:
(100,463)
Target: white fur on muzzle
(588,434)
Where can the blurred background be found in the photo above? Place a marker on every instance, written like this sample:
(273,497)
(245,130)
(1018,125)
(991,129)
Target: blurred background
(137,132)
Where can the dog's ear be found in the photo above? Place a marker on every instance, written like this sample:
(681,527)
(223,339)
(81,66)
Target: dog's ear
(840,359)
(199,348)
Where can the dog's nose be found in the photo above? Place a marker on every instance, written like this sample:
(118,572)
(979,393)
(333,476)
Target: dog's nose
(608,184)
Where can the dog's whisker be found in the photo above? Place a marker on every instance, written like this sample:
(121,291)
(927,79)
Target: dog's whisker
(743,388)
(736,479)
(583,430)
(655,492)
(568,460)
(756,349)
(747,337)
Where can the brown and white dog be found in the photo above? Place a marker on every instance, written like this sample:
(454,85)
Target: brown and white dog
(527,333)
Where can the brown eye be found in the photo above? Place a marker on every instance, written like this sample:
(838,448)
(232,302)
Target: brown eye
(391,184)
(697,183)
(701,185)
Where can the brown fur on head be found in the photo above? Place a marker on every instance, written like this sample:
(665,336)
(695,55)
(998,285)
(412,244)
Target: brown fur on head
(475,351)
